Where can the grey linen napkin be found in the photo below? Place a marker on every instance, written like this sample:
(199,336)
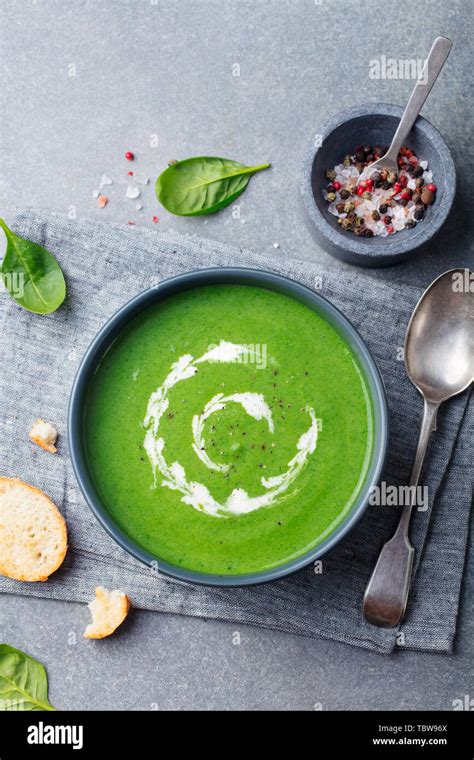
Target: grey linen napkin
(105,265)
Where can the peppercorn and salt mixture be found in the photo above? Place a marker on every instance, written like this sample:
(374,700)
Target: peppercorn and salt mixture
(385,203)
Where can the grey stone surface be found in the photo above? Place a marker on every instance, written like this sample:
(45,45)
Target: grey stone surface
(82,82)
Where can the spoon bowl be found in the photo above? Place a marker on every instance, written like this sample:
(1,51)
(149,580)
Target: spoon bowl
(385,162)
(439,345)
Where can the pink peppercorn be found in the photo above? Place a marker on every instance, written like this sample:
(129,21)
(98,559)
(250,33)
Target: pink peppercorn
(406,195)
(336,185)
(432,187)
(129,156)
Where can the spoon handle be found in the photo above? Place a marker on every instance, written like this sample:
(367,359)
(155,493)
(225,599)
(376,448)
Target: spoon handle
(386,596)
(434,63)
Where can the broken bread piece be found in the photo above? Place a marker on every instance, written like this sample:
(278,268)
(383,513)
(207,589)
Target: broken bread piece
(33,535)
(45,435)
(109,609)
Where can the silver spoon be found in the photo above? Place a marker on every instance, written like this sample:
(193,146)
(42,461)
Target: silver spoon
(439,360)
(434,63)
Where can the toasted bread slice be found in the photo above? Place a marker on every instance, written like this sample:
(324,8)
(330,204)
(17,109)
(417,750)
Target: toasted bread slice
(33,535)
(45,435)
(109,609)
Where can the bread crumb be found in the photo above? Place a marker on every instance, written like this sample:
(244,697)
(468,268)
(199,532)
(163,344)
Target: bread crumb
(109,609)
(45,435)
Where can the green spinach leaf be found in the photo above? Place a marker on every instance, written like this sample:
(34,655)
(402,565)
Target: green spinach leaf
(31,274)
(23,681)
(203,185)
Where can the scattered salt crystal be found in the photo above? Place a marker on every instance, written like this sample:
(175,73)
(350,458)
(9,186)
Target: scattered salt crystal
(276,245)
(411,184)
(95,194)
(105,181)
(140,179)
(424,164)
(132,192)
(139,206)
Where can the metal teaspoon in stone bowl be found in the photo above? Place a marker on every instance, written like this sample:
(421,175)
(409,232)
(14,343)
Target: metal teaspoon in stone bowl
(437,56)
(439,360)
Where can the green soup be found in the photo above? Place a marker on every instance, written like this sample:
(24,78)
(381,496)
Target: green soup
(228,429)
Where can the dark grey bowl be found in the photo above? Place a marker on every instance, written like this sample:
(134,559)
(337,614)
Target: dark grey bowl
(375,124)
(114,327)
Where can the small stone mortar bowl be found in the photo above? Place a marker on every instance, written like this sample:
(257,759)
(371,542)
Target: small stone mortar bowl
(375,124)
